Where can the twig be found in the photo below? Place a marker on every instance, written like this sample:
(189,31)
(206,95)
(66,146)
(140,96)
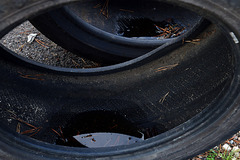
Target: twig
(76,64)
(114,126)
(28,131)
(104,10)
(41,43)
(34,129)
(61,131)
(125,10)
(21,47)
(96,64)
(18,129)
(14,116)
(179,32)
(193,41)
(60,135)
(25,32)
(166,67)
(36,132)
(160,28)
(22,121)
(56,132)
(32,77)
(87,136)
(83,61)
(163,98)
(97,6)
(13,113)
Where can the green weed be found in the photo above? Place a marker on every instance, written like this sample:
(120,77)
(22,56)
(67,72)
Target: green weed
(213,155)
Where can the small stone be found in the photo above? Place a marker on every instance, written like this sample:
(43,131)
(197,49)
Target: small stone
(226,147)
(235,149)
(239,138)
(236,154)
(231,141)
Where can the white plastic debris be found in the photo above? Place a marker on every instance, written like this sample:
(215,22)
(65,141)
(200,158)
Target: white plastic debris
(31,37)
(226,147)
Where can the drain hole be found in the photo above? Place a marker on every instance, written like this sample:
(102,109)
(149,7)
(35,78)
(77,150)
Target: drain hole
(98,129)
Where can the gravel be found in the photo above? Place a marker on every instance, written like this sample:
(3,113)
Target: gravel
(45,51)
(230,146)
(42,49)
